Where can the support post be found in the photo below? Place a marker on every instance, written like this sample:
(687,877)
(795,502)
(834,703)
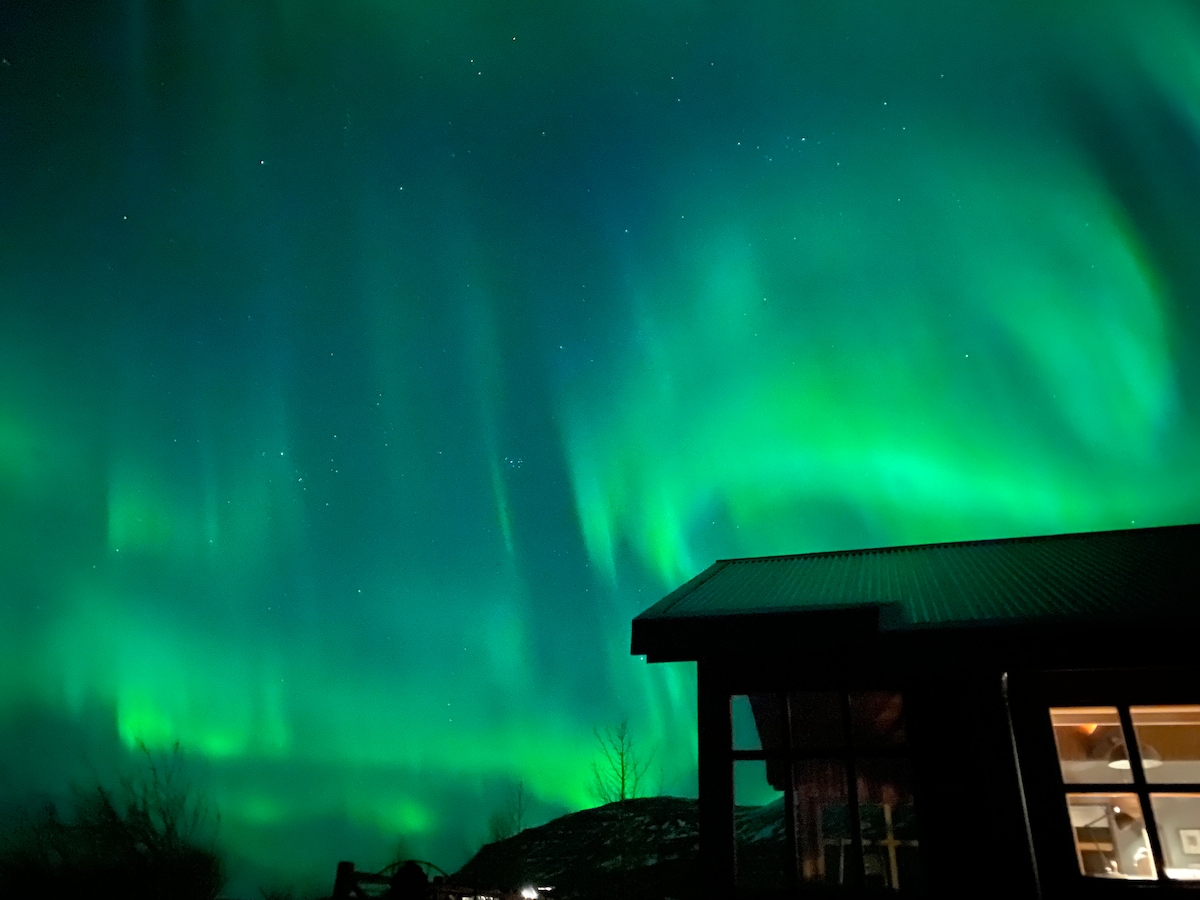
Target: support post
(716,863)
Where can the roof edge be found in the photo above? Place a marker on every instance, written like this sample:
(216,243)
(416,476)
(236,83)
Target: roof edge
(691,639)
(663,605)
(897,548)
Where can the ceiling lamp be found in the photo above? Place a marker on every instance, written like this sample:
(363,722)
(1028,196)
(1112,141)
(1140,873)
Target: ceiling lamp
(1118,757)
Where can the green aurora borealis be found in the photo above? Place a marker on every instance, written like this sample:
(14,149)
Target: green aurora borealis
(366,366)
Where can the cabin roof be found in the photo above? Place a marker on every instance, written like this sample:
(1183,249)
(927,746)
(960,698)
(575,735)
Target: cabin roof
(1142,572)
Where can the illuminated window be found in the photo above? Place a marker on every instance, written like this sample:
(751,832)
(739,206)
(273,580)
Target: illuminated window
(797,822)
(1134,807)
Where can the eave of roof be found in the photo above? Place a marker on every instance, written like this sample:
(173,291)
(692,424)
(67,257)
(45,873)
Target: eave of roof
(1090,575)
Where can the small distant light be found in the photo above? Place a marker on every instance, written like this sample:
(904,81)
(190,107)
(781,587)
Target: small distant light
(529,893)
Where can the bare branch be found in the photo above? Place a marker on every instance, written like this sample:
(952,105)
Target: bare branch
(618,771)
(506,822)
(151,834)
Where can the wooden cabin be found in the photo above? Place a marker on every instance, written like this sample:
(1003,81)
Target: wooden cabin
(1012,718)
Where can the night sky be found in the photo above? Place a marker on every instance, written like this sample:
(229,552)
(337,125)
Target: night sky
(365,366)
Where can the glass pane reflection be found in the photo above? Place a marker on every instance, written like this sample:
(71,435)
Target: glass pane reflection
(1110,836)
(745,732)
(888,822)
(823,835)
(760,828)
(1169,740)
(757,722)
(1178,820)
(877,718)
(817,721)
(1091,745)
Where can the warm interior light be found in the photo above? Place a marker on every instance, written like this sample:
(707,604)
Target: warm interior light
(1123,820)
(1089,727)
(1118,757)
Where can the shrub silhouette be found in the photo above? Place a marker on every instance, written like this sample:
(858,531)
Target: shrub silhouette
(150,838)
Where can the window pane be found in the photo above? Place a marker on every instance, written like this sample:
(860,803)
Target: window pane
(1169,739)
(760,830)
(1091,745)
(878,718)
(889,827)
(745,733)
(1110,836)
(822,830)
(1178,819)
(757,722)
(816,720)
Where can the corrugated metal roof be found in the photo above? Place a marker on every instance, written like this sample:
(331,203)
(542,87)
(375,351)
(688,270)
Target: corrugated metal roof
(1094,574)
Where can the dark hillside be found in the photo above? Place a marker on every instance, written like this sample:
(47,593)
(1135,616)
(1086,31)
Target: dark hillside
(643,849)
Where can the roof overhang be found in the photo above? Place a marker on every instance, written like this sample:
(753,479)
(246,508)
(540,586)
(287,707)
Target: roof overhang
(687,638)
(817,602)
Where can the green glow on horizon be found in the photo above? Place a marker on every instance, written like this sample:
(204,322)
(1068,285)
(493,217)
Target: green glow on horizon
(215,701)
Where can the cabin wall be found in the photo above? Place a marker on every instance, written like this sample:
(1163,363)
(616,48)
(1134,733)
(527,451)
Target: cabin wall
(970,815)
(977,800)
(969,803)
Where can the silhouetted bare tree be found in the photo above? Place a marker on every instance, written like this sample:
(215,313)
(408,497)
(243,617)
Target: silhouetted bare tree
(509,820)
(618,771)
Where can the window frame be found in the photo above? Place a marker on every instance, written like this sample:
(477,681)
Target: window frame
(848,753)
(1137,786)
(1033,696)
